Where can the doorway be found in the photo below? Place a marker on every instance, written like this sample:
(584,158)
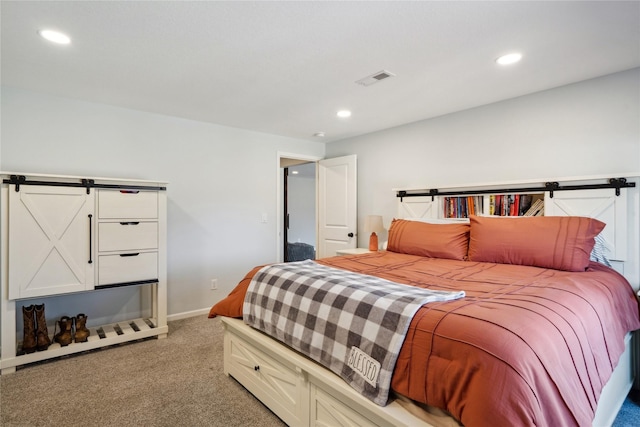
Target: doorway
(299,207)
(333,205)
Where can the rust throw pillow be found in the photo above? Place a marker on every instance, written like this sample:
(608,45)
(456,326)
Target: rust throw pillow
(558,242)
(449,241)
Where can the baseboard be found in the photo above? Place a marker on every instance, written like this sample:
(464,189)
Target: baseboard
(187,314)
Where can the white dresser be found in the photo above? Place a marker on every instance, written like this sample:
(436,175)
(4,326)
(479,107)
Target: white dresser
(62,234)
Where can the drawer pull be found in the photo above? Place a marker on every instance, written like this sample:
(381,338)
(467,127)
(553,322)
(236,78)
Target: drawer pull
(133,254)
(130,223)
(90,240)
(129,191)
(256,368)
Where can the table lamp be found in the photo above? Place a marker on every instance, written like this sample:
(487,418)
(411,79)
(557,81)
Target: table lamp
(373,225)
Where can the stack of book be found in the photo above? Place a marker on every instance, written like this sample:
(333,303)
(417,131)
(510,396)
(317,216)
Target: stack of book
(536,209)
(510,204)
(463,206)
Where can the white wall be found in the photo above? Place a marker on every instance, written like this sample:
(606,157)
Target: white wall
(221,181)
(587,128)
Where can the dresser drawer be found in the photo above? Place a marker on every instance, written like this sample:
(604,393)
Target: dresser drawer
(130,267)
(275,382)
(328,410)
(127,235)
(127,204)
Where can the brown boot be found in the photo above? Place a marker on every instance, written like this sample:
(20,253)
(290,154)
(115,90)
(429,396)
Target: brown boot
(82,333)
(42,333)
(29,322)
(64,337)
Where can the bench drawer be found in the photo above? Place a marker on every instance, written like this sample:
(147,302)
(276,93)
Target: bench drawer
(129,267)
(127,235)
(127,204)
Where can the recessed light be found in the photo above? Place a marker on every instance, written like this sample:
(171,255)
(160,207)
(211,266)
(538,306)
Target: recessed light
(344,114)
(319,134)
(55,36)
(509,59)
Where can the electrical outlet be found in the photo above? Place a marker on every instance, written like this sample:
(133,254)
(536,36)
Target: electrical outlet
(214,284)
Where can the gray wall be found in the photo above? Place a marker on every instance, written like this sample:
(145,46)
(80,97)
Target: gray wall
(221,181)
(582,129)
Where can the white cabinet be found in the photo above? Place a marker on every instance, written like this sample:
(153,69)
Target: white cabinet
(62,235)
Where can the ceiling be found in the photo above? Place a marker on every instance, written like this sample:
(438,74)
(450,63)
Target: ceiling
(286,68)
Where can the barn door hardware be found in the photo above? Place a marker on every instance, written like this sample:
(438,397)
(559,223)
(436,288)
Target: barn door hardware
(551,187)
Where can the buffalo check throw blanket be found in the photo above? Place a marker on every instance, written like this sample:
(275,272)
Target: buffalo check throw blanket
(351,323)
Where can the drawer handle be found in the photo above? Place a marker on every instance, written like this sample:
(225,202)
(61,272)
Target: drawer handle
(256,368)
(134,254)
(90,240)
(129,191)
(130,223)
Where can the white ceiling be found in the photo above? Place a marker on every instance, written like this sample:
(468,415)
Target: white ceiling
(285,68)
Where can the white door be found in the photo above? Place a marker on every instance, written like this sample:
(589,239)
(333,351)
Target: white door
(50,241)
(337,205)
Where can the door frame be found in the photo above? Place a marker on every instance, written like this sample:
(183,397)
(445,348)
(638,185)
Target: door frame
(279,201)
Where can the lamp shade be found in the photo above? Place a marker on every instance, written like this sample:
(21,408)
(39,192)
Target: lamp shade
(373,224)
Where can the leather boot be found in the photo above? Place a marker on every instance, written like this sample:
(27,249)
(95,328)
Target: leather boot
(29,321)
(64,337)
(82,333)
(42,333)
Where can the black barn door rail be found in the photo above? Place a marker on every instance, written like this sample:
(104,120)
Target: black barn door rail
(615,183)
(19,180)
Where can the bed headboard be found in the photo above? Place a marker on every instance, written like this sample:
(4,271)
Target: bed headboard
(591,197)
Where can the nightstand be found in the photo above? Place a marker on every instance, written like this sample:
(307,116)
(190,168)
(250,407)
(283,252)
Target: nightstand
(355,251)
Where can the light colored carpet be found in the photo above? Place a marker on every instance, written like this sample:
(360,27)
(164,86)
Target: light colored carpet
(176,381)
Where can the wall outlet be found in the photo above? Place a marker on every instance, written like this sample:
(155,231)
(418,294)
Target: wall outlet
(214,284)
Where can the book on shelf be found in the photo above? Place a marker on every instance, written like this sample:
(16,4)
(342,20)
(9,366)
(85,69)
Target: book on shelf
(536,209)
(525,203)
(511,204)
(462,206)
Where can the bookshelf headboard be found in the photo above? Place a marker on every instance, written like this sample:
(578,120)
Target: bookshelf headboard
(617,207)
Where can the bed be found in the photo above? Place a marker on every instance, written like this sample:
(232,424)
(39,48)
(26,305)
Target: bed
(539,338)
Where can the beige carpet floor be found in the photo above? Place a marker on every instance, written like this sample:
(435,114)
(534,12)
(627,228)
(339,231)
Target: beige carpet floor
(176,381)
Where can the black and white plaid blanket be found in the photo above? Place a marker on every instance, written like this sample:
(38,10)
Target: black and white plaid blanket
(351,323)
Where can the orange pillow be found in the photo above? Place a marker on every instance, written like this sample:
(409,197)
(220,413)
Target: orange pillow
(430,240)
(558,242)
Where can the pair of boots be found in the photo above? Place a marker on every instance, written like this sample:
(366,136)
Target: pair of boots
(36,334)
(72,329)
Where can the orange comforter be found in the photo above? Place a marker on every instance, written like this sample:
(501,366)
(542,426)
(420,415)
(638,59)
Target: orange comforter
(527,346)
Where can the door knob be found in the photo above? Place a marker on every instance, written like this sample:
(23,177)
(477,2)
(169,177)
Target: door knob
(350,234)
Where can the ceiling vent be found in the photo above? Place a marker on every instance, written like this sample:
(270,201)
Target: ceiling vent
(375,78)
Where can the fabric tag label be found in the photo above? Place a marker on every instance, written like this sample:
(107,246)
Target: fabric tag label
(364,365)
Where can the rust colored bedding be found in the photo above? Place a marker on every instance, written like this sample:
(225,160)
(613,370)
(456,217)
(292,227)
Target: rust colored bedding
(527,346)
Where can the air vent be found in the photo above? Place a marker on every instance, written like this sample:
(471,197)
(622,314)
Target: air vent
(375,78)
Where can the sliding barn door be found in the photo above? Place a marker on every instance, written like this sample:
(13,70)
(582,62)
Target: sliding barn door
(337,205)
(602,204)
(50,247)
(417,208)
